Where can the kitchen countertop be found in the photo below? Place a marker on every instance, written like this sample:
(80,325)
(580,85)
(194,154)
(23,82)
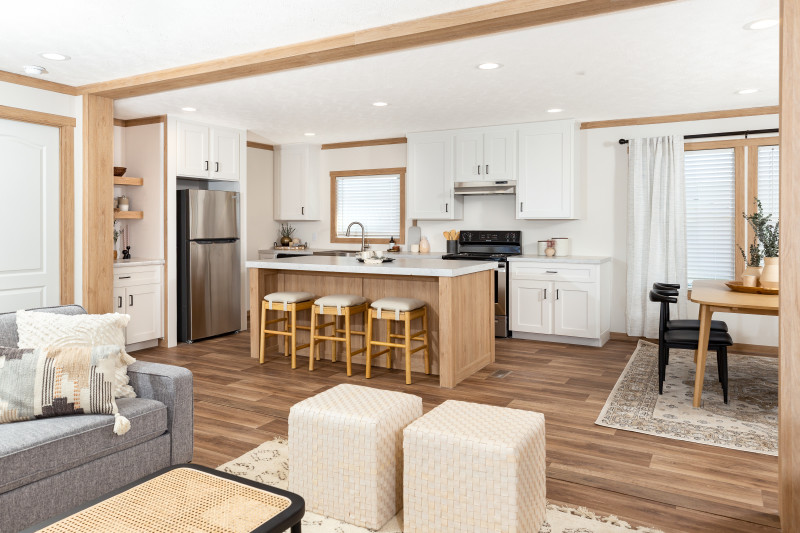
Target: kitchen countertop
(310,251)
(137,261)
(587,260)
(399,267)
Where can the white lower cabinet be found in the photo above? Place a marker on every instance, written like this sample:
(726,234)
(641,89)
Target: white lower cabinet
(137,292)
(547,303)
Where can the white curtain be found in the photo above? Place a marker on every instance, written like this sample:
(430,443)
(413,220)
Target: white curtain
(656,228)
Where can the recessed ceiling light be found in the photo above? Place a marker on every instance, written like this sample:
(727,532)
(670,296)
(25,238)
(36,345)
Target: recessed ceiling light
(380,104)
(309,134)
(761,24)
(188,109)
(555,110)
(747,91)
(34,70)
(54,56)
(489,66)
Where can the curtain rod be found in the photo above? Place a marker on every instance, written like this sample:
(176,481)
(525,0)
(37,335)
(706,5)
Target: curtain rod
(721,134)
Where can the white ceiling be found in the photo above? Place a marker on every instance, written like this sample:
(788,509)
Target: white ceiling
(678,57)
(109,39)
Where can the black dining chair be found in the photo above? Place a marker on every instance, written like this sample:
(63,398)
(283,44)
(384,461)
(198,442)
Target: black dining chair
(671,289)
(687,339)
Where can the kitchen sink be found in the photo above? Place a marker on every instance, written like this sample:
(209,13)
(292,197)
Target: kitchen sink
(337,253)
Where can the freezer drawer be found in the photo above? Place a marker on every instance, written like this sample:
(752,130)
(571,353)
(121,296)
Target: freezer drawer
(214,288)
(213,214)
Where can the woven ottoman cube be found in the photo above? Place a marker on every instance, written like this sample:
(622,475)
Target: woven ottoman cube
(476,468)
(346,452)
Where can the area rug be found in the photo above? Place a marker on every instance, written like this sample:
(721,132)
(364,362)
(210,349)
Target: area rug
(749,422)
(269,464)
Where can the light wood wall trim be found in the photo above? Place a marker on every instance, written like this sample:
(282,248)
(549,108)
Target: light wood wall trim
(456,25)
(684,117)
(401,238)
(119,122)
(731,143)
(789,370)
(144,121)
(67,213)
(36,117)
(165,329)
(357,144)
(98,217)
(260,146)
(38,83)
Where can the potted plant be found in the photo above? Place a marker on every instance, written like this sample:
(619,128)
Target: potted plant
(769,237)
(286,234)
(752,266)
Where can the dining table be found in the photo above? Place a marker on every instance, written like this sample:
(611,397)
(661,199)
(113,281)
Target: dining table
(715,296)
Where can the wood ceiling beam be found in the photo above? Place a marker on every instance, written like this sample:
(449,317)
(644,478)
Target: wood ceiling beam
(467,23)
(38,83)
(684,117)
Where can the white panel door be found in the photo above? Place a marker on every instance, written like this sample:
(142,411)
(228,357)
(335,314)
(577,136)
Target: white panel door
(545,170)
(469,157)
(144,306)
(575,309)
(500,154)
(193,153)
(531,306)
(225,154)
(430,176)
(29,216)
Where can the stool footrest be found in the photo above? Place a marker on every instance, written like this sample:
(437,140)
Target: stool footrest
(352,332)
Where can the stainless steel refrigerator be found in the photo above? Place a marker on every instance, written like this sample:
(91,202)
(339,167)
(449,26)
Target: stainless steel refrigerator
(209,264)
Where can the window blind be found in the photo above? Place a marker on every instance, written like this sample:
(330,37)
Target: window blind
(769,180)
(710,206)
(372,200)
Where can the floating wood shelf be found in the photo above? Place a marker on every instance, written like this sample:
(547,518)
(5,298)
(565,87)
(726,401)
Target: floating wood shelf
(127,214)
(123,180)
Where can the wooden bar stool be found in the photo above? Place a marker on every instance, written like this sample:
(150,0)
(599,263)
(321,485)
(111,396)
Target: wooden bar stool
(400,310)
(347,305)
(290,303)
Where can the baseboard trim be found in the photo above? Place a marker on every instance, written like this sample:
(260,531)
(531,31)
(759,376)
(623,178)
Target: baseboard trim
(562,339)
(750,349)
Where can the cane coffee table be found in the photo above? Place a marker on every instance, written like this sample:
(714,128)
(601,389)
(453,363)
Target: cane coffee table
(186,498)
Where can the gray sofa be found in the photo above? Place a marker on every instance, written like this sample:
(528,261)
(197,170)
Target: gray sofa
(50,465)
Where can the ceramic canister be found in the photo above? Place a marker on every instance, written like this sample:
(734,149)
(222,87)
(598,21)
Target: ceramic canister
(542,247)
(561,246)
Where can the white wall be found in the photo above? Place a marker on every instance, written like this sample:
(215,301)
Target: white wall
(22,97)
(601,232)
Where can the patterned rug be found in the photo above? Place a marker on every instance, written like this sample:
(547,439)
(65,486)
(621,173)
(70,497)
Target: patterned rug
(269,464)
(749,422)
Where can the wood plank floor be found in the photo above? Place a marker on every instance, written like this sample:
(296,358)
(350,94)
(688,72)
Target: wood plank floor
(646,480)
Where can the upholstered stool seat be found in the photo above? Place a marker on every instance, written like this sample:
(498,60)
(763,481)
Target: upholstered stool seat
(288,297)
(400,310)
(346,449)
(290,303)
(339,305)
(474,467)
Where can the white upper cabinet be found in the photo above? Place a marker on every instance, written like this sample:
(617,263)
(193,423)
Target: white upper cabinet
(296,183)
(430,177)
(208,152)
(225,154)
(486,154)
(193,150)
(547,185)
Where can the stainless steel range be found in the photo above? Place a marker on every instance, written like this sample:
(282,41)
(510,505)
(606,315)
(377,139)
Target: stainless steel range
(494,246)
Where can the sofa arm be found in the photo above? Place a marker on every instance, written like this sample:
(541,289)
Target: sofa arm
(172,386)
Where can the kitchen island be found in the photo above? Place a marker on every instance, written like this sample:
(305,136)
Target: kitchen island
(459,294)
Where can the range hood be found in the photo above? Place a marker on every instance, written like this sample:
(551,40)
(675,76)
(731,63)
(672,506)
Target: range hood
(486,187)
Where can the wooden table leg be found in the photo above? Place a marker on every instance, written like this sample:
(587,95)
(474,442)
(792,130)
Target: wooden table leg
(702,352)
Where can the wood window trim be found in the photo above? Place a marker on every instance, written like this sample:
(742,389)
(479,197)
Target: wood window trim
(401,238)
(66,184)
(745,187)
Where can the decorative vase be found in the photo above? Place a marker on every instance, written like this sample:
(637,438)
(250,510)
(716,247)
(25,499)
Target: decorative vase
(115,255)
(424,245)
(286,241)
(753,271)
(550,251)
(770,276)
(124,204)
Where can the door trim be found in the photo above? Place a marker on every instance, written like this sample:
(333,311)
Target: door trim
(66,185)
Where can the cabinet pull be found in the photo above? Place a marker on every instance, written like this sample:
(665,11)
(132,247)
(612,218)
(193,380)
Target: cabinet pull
(557,295)
(520,207)
(545,294)
(124,277)
(487,169)
(119,305)
(552,271)
(302,210)
(130,302)
(479,170)
(446,207)
(206,165)
(216,166)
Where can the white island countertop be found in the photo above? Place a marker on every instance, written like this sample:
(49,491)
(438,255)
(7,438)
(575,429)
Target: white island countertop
(441,268)
(586,260)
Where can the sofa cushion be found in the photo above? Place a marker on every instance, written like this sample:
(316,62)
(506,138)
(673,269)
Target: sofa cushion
(8,321)
(36,449)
